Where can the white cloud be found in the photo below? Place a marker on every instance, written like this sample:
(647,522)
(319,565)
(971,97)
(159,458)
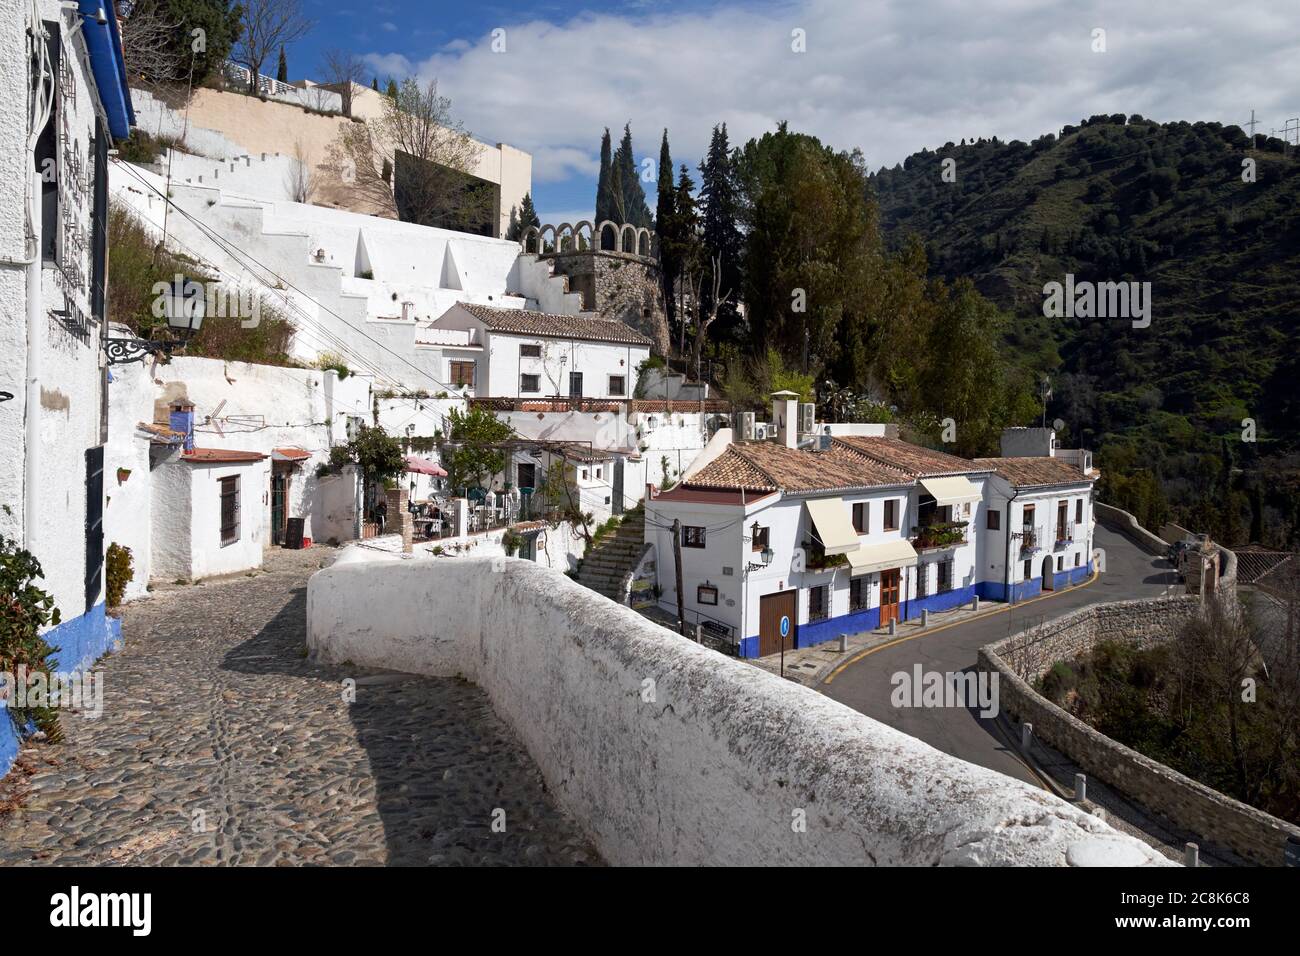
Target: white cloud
(890,77)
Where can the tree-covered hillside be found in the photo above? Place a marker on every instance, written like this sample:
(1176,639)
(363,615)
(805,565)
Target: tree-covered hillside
(1126,199)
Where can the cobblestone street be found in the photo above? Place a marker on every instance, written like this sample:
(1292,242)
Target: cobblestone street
(220,743)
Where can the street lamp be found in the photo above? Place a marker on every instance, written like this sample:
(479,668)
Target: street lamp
(182,302)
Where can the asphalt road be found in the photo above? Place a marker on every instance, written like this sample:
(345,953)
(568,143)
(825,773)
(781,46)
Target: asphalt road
(865,683)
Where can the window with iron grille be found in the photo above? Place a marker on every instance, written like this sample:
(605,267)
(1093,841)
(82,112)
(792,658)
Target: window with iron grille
(1078,511)
(858,590)
(530,351)
(462,374)
(530,383)
(692,536)
(818,602)
(229,510)
(945,576)
(923,580)
(617,386)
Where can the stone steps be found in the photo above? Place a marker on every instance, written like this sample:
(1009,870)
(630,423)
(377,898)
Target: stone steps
(613,558)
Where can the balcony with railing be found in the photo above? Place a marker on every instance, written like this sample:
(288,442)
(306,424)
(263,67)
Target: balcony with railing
(940,534)
(1064,534)
(1030,539)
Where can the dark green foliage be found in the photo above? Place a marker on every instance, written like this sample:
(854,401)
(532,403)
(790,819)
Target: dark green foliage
(604,195)
(665,209)
(220,22)
(1140,201)
(282,67)
(720,207)
(522,218)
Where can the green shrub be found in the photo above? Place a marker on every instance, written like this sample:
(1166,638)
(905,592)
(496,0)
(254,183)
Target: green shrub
(25,610)
(119,569)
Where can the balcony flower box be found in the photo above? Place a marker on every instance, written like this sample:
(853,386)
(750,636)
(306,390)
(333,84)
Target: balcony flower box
(943,534)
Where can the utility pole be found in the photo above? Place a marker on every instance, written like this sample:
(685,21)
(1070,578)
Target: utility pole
(1252,124)
(677,564)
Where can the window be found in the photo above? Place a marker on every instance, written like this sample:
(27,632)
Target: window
(584,474)
(575,385)
(945,576)
(692,536)
(526,475)
(1060,562)
(818,603)
(761,538)
(1062,514)
(530,383)
(1029,571)
(530,351)
(46,157)
(229,510)
(462,374)
(1078,560)
(706,594)
(862,517)
(1028,520)
(617,385)
(994,520)
(1078,511)
(599,473)
(858,589)
(923,580)
(891,515)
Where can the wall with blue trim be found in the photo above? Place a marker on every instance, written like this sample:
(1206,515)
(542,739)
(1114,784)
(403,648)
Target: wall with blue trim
(79,642)
(819,632)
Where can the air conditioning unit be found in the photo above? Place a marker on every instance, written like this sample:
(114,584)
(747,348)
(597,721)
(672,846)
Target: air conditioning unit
(761,431)
(807,418)
(744,426)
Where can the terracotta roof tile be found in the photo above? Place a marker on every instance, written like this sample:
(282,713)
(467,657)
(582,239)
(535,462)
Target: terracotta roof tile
(293,454)
(766,466)
(545,324)
(913,459)
(1036,472)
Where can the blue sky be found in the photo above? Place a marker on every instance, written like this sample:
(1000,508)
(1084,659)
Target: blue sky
(887,76)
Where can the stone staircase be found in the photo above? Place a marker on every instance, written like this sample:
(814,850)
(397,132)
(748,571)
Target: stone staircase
(613,558)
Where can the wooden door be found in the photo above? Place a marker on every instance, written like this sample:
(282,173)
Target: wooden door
(888,596)
(777,612)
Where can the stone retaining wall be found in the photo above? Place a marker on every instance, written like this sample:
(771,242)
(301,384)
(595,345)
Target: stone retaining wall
(668,753)
(1024,657)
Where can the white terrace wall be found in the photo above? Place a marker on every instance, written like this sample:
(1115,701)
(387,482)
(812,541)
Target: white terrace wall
(668,753)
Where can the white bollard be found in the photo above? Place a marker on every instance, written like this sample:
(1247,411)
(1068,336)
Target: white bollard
(1191,855)
(975,604)
(925,618)
(844,643)
(1026,735)
(1080,787)
(893,626)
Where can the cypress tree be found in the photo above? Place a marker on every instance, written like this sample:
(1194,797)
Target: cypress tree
(630,198)
(604,203)
(282,68)
(665,215)
(392,89)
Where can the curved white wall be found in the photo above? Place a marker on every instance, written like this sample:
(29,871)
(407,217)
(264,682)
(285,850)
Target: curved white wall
(713,767)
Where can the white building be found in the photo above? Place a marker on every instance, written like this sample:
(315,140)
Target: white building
(1039,516)
(503,352)
(63,101)
(804,538)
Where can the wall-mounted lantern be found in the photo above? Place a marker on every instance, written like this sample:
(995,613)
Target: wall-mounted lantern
(183,304)
(765,556)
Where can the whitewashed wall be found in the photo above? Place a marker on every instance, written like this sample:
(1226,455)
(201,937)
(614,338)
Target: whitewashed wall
(623,717)
(209,556)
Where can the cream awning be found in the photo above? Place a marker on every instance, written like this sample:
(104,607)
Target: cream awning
(953,490)
(831,519)
(877,557)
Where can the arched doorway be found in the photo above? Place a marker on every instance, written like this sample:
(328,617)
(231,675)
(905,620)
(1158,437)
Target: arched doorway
(1048,575)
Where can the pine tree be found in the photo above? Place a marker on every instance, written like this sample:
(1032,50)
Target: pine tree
(527,214)
(391,92)
(604,203)
(721,235)
(282,68)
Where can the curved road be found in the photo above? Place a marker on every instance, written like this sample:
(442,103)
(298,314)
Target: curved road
(864,683)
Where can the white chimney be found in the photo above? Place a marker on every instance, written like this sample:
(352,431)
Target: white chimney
(785,418)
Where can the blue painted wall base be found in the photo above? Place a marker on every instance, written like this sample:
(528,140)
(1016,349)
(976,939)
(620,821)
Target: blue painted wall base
(80,642)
